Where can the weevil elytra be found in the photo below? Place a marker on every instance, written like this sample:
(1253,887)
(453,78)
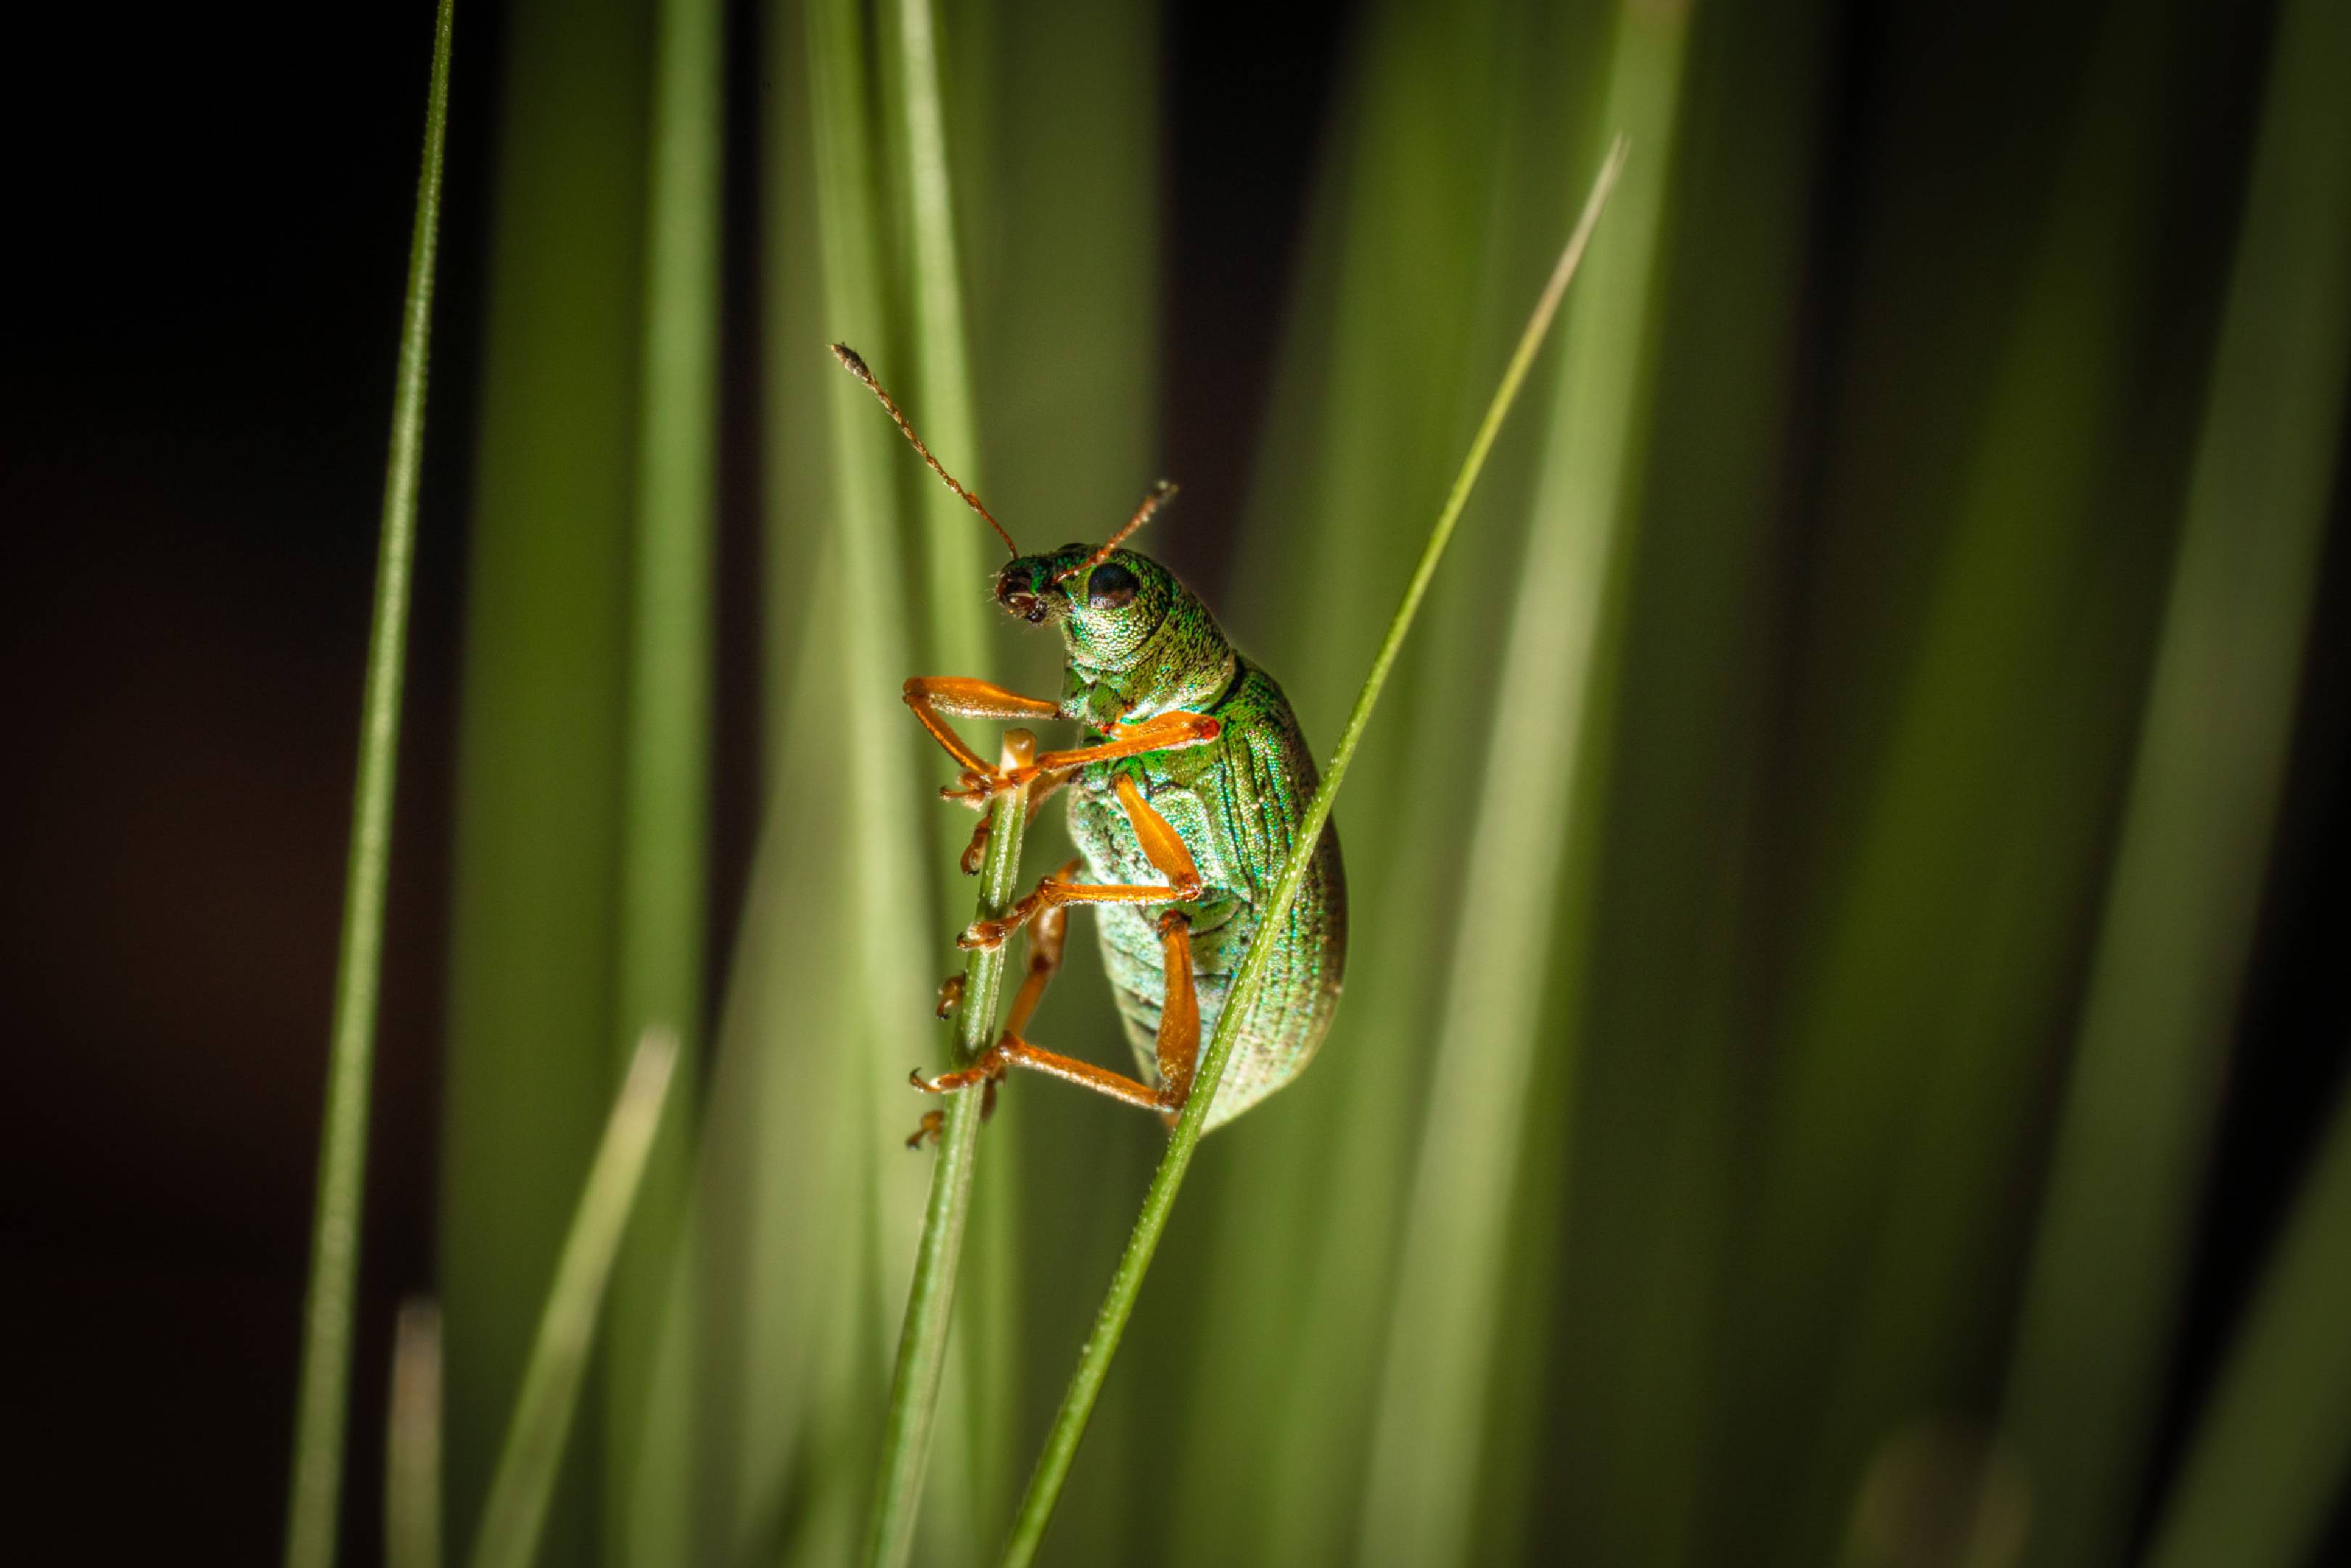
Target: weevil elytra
(1185,792)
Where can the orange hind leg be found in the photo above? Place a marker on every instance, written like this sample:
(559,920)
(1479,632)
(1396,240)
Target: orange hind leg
(1179,1037)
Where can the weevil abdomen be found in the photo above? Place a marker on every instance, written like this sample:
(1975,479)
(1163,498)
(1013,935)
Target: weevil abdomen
(1235,802)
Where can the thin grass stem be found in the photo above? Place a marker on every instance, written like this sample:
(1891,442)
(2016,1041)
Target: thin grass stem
(930,1296)
(953,560)
(1109,1322)
(412,1465)
(1543,778)
(322,1406)
(533,1452)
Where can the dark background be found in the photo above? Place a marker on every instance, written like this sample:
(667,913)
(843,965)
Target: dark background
(212,212)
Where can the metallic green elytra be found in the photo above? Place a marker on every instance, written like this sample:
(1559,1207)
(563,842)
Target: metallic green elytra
(1139,643)
(1191,780)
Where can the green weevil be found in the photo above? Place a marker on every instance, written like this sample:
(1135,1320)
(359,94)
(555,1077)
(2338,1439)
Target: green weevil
(1186,793)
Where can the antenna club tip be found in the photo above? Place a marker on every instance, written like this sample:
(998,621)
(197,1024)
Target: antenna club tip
(852,362)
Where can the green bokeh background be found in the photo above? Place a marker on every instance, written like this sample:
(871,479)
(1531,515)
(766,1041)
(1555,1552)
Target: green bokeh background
(1844,1059)
(1805,875)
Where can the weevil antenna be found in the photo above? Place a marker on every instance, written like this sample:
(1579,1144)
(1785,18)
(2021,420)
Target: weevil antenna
(857,367)
(1161,494)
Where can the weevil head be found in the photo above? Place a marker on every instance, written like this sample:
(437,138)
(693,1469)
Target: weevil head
(1128,626)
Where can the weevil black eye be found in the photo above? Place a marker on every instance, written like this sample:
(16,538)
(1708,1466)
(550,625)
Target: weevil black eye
(1112,587)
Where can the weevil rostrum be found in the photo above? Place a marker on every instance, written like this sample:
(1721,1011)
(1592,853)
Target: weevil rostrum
(1185,792)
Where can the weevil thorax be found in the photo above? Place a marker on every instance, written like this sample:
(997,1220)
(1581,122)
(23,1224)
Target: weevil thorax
(1139,642)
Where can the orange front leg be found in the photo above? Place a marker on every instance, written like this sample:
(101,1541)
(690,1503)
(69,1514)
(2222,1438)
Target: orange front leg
(1162,731)
(933,696)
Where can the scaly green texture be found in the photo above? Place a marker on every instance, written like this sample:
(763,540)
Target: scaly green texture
(1235,801)
(516,1510)
(2184,899)
(322,1403)
(1094,1358)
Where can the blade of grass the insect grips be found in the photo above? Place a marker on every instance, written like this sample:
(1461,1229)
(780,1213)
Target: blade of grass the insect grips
(331,1306)
(1538,777)
(955,546)
(1593,1452)
(528,1067)
(1094,1358)
(1406,290)
(666,771)
(411,1479)
(889,973)
(930,1296)
(1913,1029)
(516,1510)
(2102,1294)
(2272,1447)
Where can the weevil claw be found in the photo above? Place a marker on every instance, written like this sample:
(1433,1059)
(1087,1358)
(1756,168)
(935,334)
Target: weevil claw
(950,994)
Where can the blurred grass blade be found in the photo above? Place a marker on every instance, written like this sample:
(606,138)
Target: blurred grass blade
(528,1067)
(2102,1294)
(2273,1452)
(1095,1356)
(516,1509)
(955,542)
(323,1404)
(1439,213)
(411,1479)
(930,1295)
(1962,849)
(665,826)
(1538,780)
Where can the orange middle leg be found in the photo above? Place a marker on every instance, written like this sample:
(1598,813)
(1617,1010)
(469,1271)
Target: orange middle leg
(1160,844)
(1046,937)
(1179,1054)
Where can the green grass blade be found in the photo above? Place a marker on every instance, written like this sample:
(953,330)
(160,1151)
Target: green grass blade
(1439,213)
(2102,1294)
(412,1477)
(528,1067)
(323,1404)
(525,1479)
(1420,1497)
(930,1295)
(955,549)
(1094,1358)
(956,543)
(2274,1448)
(664,829)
